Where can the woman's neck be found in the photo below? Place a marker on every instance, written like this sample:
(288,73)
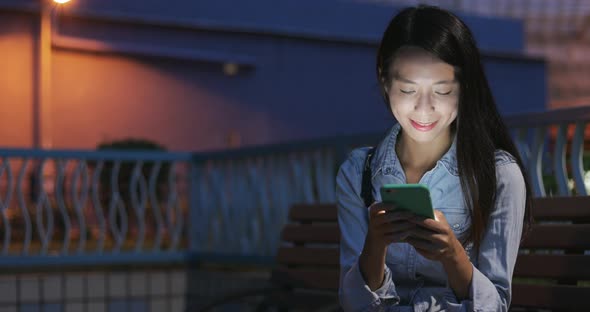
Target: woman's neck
(415,156)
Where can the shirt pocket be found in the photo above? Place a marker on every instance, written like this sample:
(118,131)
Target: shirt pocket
(459,220)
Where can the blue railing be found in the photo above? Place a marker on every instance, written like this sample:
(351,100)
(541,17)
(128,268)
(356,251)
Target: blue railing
(81,203)
(552,145)
(66,207)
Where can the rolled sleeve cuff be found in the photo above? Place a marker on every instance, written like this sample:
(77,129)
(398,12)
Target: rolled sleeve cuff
(387,291)
(357,296)
(480,289)
(453,306)
(482,292)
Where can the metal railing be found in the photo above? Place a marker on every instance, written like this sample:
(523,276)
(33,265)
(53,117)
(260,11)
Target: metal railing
(244,195)
(552,144)
(88,204)
(113,207)
(131,207)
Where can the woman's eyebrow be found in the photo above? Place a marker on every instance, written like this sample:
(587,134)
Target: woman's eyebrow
(445,82)
(397,77)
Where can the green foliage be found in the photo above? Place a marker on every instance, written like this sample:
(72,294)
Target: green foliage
(131,144)
(127,167)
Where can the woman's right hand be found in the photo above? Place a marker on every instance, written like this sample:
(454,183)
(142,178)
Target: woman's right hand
(387,226)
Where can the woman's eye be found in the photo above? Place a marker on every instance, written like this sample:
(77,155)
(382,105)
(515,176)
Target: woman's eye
(407,91)
(444,93)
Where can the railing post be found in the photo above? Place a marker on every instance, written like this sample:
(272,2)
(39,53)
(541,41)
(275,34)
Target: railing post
(536,162)
(523,149)
(559,160)
(577,160)
(193,213)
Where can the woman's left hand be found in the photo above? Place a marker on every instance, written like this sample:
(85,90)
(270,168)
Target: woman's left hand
(434,239)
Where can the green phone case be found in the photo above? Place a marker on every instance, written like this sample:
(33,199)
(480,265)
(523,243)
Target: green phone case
(411,197)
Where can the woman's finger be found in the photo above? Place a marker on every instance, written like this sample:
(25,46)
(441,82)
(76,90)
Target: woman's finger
(381,218)
(419,243)
(426,234)
(399,227)
(379,208)
(396,238)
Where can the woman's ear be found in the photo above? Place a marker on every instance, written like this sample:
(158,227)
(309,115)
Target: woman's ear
(384,86)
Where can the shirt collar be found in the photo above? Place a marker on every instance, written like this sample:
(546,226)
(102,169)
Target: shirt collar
(387,162)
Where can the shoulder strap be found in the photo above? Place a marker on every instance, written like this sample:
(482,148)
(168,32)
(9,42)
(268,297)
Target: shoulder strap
(367,186)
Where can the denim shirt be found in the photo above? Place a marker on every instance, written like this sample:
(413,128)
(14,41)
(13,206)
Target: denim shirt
(412,282)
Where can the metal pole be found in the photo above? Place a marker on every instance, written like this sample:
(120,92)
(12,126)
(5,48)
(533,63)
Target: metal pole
(42,136)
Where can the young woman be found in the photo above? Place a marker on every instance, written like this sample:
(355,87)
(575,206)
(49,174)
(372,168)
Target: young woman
(451,138)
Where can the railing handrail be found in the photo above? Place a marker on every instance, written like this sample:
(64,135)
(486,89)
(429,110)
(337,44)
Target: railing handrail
(97,155)
(550,117)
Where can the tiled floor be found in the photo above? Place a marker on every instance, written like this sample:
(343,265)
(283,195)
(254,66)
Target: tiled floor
(120,291)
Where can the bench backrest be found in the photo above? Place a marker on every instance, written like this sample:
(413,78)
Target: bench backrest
(552,270)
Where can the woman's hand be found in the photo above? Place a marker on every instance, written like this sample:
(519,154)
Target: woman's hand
(387,226)
(434,239)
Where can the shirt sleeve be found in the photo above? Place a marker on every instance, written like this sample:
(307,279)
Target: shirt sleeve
(490,288)
(354,293)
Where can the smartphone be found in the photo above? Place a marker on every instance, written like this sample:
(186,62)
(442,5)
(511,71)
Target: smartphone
(410,197)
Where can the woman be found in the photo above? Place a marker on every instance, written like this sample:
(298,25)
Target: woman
(449,137)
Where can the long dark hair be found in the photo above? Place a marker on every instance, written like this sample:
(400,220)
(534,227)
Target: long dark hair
(480,129)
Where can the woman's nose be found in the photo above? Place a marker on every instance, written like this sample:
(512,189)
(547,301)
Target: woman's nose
(424,102)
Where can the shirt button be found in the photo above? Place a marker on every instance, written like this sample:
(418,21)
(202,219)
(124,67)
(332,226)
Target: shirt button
(455,226)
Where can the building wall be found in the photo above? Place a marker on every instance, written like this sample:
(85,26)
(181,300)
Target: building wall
(16,75)
(120,70)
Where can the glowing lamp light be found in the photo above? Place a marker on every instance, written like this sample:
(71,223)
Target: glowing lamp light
(61,1)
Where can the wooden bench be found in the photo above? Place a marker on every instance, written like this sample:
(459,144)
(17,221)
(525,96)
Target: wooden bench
(305,276)
(552,271)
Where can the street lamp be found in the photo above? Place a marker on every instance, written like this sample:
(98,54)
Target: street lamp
(42,132)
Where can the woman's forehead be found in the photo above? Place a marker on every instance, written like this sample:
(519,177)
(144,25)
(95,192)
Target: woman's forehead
(414,61)
(414,71)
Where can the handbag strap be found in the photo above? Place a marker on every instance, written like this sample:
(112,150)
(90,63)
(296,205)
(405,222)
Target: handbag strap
(367,185)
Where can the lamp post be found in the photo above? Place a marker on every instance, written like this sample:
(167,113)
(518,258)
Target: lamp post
(42,130)
(42,137)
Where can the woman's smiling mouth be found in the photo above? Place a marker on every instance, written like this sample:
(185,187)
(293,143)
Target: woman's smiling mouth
(423,126)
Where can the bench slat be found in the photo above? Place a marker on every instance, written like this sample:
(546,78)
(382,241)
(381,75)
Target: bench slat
(308,256)
(312,213)
(551,296)
(307,278)
(562,208)
(560,236)
(311,233)
(575,267)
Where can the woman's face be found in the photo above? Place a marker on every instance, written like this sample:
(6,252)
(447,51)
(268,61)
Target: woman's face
(423,95)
